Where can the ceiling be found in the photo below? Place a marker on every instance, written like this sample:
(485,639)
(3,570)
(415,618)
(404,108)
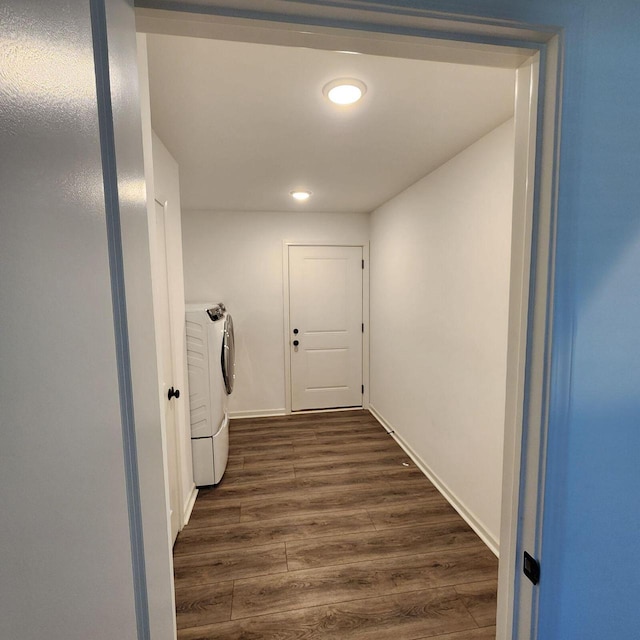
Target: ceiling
(248,123)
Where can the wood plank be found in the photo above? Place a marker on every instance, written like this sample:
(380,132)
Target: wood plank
(411,616)
(290,427)
(274,488)
(283,471)
(347,428)
(258,429)
(351,456)
(355,437)
(261,447)
(303,421)
(205,604)
(229,564)
(480,600)
(337,464)
(261,532)
(207,514)
(273,433)
(234,462)
(377,545)
(327,585)
(321,450)
(363,497)
(403,474)
(357,477)
(267,459)
(263,484)
(361,426)
(486,633)
(429,509)
(238,442)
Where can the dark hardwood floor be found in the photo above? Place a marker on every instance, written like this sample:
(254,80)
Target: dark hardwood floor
(322,528)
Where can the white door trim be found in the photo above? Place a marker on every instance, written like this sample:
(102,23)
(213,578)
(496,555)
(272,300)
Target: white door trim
(160,262)
(420,33)
(287,327)
(162,606)
(538,106)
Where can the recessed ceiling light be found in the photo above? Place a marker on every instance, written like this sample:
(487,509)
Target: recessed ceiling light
(301,196)
(344,90)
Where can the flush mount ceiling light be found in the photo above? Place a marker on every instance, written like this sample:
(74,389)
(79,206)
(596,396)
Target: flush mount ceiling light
(344,91)
(300,196)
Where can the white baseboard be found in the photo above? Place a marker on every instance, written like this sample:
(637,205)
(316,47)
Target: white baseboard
(267,413)
(303,412)
(441,486)
(188,508)
(257,413)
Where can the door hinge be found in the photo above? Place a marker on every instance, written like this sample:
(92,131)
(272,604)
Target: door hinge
(363,389)
(531,568)
(363,264)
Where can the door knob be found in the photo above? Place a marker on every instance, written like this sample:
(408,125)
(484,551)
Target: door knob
(173,393)
(295,331)
(296,343)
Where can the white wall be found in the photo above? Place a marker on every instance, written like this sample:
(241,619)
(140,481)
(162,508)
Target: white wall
(236,258)
(440,256)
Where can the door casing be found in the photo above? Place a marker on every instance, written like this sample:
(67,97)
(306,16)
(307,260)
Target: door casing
(287,327)
(167,378)
(408,32)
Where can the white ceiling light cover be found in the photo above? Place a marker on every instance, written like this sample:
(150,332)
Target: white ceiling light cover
(300,195)
(344,91)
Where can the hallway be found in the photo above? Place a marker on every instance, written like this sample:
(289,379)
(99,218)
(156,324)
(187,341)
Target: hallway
(319,530)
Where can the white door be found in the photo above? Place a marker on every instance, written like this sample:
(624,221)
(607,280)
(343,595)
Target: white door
(325,320)
(163,338)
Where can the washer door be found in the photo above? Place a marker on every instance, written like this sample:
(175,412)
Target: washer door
(228,355)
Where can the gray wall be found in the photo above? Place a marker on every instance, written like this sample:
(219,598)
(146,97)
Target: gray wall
(64,539)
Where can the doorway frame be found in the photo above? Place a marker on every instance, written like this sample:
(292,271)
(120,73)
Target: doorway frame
(287,326)
(538,51)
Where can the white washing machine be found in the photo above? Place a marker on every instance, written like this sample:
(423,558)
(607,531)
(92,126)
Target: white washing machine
(211,364)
